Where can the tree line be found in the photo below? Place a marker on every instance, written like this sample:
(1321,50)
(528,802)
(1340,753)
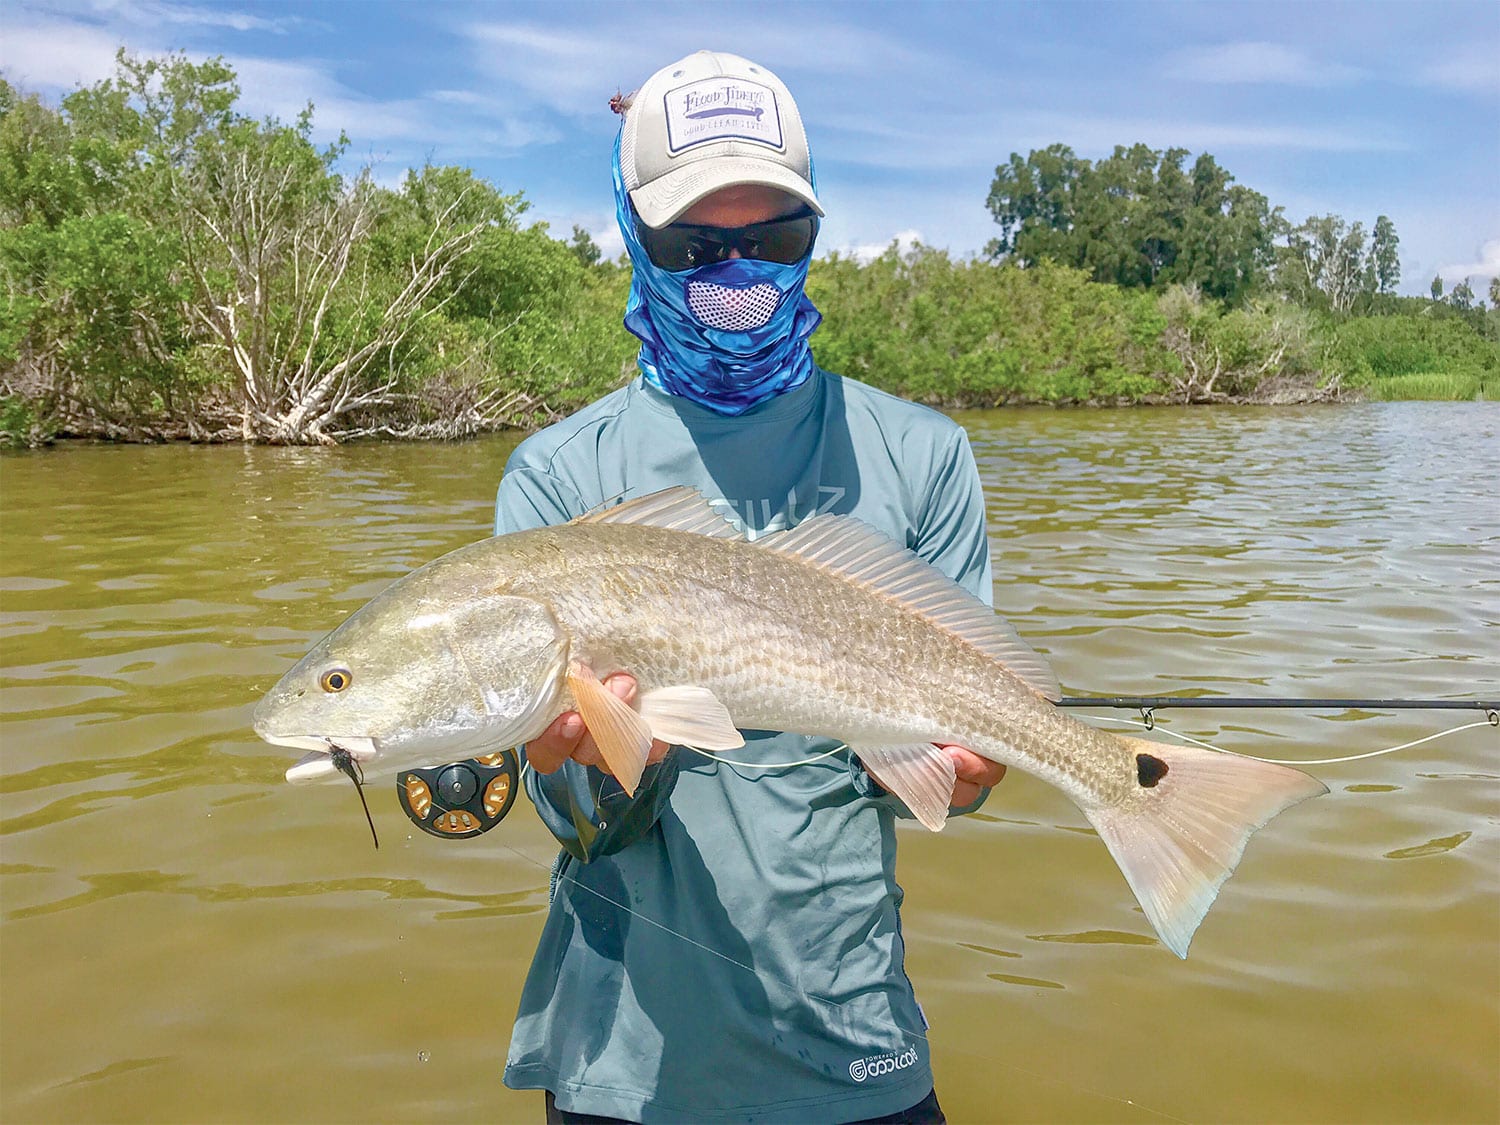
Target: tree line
(173,268)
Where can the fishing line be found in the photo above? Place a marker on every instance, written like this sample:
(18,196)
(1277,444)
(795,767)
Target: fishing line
(766,978)
(1490,722)
(716,756)
(1146,705)
(599,796)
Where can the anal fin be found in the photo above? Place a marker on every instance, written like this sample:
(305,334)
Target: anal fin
(919,773)
(623,738)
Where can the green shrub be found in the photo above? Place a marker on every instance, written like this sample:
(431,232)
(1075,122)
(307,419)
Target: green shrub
(1231,354)
(572,348)
(968,333)
(1368,350)
(21,424)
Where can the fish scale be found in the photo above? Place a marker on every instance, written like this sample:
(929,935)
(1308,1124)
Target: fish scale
(757,627)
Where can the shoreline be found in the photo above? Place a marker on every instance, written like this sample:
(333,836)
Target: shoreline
(1283,393)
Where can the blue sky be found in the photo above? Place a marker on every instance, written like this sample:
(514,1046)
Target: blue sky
(1358,109)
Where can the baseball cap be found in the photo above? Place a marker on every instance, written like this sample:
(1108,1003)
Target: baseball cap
(710,121)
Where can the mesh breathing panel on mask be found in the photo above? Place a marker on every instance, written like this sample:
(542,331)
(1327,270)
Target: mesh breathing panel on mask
(729,309)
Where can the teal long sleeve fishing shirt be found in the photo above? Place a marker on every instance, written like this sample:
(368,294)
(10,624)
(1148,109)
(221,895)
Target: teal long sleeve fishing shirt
(726,945)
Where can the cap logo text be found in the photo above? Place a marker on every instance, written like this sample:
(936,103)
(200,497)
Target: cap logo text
(716,109)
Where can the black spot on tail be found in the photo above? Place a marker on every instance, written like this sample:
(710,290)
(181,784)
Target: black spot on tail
(1149,770)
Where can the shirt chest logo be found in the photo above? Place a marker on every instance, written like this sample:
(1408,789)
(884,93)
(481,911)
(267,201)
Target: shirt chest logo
(758,517)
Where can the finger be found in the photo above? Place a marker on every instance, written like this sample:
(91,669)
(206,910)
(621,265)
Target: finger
(622,684)
(548,750)
(970,767)
(965,793)
(587,753)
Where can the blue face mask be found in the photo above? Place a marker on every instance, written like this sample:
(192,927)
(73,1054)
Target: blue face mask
(727,335)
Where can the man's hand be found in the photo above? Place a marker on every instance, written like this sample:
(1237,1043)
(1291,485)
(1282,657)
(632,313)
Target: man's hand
(567,737)
(974,773)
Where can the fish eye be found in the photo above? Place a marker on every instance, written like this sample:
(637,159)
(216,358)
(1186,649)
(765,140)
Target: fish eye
(335,680)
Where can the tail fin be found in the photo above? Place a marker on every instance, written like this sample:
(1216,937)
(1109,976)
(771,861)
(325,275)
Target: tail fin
(1197,810)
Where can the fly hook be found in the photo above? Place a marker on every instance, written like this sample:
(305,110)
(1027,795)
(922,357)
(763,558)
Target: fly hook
(344,762)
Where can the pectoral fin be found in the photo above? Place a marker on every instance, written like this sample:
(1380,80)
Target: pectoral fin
(623,738)
(690,716)
(919,773)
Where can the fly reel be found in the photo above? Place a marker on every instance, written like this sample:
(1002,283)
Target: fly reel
(461,799)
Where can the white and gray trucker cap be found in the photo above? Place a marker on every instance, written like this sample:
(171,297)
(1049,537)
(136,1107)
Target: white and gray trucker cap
(710,121)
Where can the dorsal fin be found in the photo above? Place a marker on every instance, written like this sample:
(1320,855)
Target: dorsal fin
(857,552)
(677,509)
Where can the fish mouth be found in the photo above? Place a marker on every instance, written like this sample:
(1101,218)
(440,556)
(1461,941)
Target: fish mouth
(318,762)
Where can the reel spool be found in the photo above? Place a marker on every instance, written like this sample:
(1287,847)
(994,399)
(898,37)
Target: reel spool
(461,799)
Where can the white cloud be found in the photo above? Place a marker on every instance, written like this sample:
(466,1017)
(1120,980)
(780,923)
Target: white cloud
(1101,134)
(611,242)
(463,97)
(153,12)
(908,119)
(1472,69)
(863,217)
(282,87)
(1438,236)
(868,251)
(45,48)
(390,175)
(818,49)
(1200,135)
(565,71)
(56,56)
(1479,271)
(575,70)
(976,140)
(1257,63)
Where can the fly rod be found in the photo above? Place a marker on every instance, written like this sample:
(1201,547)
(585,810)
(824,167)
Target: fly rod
(1177,702)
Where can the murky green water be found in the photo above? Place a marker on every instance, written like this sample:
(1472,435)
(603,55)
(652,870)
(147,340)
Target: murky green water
(184,937)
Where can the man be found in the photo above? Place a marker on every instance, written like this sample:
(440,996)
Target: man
(725,945)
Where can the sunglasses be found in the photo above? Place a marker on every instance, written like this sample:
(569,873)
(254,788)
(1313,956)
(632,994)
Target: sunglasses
(685,246)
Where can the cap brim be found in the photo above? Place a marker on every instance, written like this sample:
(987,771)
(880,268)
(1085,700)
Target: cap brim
(667,197)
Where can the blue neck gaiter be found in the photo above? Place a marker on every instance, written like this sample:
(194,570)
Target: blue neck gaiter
(727,335)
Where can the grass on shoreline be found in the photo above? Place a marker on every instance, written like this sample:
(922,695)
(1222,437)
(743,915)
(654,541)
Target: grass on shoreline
(1443,386)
